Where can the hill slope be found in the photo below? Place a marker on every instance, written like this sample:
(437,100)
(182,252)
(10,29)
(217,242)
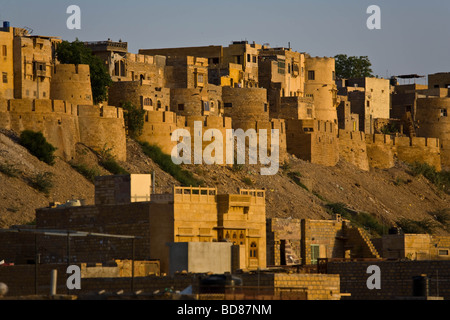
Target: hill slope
(377,192)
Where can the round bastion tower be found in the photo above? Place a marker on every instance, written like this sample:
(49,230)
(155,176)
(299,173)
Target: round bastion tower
(245,104)
(432,117)
(321,86)
(71,83)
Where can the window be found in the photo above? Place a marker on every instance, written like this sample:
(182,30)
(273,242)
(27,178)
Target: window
(311,75)
(181,107)
(281,67)
(368,104)
(265,107)
(443,252)
(249,58)
(5,77)
(200,78)
(205,105)
(253,250)
(254,59)
(228,105)
(159,104)
(5,51)
(333,76)
(444,113)
(148,102)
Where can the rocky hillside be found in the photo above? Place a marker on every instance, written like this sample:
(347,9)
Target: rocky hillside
(299,190)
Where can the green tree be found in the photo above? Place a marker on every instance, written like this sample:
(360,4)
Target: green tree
(77,53)
(38,146)
(134,119)
(353,67)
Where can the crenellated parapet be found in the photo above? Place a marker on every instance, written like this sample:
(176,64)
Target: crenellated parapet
(65,124)
(384,149)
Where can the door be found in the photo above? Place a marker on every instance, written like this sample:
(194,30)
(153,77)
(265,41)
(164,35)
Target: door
(315,252)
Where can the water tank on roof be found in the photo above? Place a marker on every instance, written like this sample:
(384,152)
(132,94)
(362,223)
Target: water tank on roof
(6,24)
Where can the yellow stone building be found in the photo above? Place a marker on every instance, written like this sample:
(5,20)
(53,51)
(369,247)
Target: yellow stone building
(6,62)
(203,215)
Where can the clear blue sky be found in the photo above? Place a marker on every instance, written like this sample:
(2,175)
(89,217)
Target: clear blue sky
(414,37)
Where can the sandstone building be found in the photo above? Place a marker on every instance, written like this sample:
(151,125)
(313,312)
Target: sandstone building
(187,215)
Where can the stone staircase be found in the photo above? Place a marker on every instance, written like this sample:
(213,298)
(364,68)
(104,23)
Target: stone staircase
(359,243)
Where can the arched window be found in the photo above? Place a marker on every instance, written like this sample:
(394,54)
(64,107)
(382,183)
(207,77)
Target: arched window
(148,102)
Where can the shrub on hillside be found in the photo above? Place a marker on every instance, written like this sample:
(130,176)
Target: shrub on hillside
(8,170)
(109,162)
(38,146)
(88,173)
(112,166)
(360,219)
(425,226)
(42,182)
(247,181)
(165,163)
(440,179)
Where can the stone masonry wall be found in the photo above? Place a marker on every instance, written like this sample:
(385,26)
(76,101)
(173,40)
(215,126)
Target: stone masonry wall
(130,219)
(396,278)
(352,148)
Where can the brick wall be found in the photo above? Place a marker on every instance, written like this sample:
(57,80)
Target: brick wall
(130,219)
(396,278)
(21,281)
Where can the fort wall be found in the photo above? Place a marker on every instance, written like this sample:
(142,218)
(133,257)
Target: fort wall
(54,118)
(103,127)
(353,148)
(158,129)
(382,150)
(71,83)
(249,104)
(432,116)
(64,124)
(313,140)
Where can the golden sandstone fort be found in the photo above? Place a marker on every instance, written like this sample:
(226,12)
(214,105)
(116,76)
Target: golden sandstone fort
(241,86)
